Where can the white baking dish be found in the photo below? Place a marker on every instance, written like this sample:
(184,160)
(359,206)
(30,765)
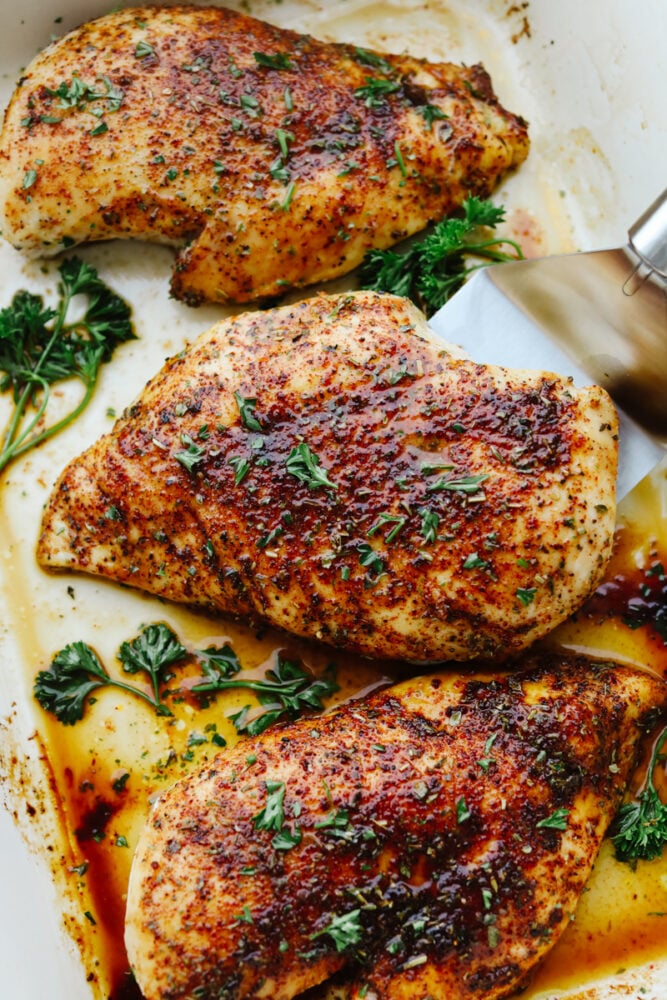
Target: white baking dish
(590,80)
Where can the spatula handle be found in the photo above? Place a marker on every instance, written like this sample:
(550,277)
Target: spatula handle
(648,236)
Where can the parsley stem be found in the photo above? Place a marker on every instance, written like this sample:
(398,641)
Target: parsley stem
(13,443)
(38,347)
(484,249)
(153,700)
(24,445)
(264,687)
(12,439)
(655,755)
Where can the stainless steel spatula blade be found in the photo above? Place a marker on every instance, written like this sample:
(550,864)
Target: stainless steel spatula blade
(599,316)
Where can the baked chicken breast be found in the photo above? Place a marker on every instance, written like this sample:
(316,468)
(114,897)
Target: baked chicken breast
(334,469)
(433,839)
(269,158)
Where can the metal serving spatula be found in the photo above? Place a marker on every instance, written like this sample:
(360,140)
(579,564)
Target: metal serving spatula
(598,316)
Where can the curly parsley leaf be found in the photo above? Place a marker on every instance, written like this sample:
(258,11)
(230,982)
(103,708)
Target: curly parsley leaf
(641,826)
(430,270)
(218,662)
(40,346)
(75,672)
(156,648)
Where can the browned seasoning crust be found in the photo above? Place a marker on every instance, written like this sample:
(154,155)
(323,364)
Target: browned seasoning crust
(465,510)
(160,123)
(453,819)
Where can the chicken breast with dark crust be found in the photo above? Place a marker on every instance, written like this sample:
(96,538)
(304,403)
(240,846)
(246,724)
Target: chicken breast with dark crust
(432,839)
(269,158)
(335,470)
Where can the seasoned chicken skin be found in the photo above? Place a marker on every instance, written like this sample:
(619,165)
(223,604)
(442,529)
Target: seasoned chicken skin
(334,469)
(433,839)
(271,159)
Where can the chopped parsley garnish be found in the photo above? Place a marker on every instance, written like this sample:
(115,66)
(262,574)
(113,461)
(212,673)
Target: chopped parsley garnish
(279,171)
(374,60)
(371,559)
(397,160)
(287,838)
(272,816)
(433,268)
(250,105)
(192,455)
(280,60)
(304,465)
(464,484)
(641,826)
(429,526)
(241,466)
(284,138)
(430,113)
(289,195)
(344,930)
(557,820)
(463,812)
(336,823)
(247,410)
(143,49)
(526,595)
(375,91)
(473,561)
(76,93)
(39,347)
(388,519)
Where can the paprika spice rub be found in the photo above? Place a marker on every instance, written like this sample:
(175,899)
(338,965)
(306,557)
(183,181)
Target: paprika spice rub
(431,839)
(335,470)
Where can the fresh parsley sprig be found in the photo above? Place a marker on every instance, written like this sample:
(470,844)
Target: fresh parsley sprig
(641,826)
(41,345)
(430,270)
(288,691)
(76,672)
